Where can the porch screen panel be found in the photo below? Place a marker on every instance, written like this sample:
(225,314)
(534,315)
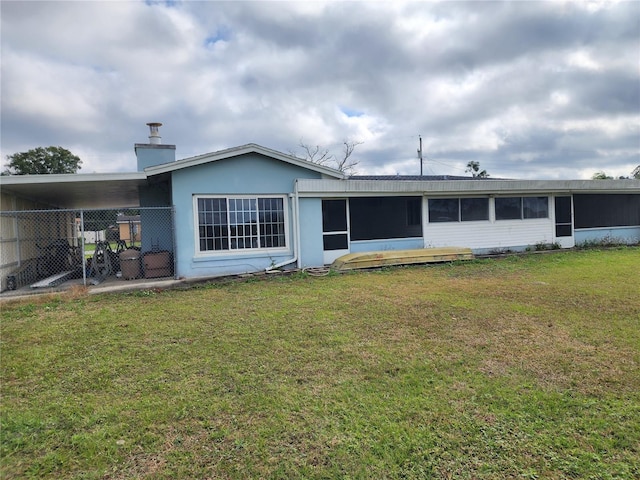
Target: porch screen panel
(606,210)
(378,218)
(339,241)
(334,215)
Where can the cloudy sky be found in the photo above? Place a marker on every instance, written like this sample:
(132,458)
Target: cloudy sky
(528,89)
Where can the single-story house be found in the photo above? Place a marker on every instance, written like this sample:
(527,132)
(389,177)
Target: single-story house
(250,208)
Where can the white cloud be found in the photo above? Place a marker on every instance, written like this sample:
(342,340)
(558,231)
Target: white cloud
(522,87)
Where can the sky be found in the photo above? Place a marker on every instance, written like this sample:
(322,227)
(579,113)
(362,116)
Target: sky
(529,89)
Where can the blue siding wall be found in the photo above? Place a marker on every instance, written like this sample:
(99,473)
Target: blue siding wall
(311,232)
(243,175)
(156,224)
(149,155)
(390,244)
(628,235)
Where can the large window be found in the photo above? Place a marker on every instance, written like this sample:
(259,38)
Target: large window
(240,223)
(376,218)
(458,209)
(517,208)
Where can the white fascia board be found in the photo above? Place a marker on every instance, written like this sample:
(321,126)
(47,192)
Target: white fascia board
(333,188)
(242,150)
(70,178)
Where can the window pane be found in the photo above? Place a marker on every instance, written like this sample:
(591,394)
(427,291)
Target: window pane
(212,223)
(443,210)
(271,215)
(508,208)
(535,207)
(472,209)
(243,216)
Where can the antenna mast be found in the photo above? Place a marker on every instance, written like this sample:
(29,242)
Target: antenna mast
(420,154)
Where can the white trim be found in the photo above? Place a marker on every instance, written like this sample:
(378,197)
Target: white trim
(349,188)
(242,150)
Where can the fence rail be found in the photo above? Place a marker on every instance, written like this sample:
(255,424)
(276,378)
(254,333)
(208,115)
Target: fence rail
(46,247)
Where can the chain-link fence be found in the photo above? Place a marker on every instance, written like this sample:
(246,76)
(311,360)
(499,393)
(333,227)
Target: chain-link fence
(44,248)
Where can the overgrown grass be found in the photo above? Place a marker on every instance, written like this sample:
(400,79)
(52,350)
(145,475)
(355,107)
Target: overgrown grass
(523,367)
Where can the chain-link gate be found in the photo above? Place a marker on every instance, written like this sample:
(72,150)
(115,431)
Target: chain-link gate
(44,248)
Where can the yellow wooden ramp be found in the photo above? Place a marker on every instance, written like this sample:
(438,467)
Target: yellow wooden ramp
(384,258)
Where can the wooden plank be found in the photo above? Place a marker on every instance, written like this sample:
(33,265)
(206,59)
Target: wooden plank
(53,280)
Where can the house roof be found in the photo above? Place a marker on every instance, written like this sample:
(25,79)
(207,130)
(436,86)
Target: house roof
(121,190)
(468,186)
(94,190)
(243,150)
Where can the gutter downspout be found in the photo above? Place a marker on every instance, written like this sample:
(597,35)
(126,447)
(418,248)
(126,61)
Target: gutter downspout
(296,234)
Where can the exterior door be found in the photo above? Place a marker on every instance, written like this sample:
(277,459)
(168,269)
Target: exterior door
(335,229)
(564,221)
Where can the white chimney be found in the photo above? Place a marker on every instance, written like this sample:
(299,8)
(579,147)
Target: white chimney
(154,135)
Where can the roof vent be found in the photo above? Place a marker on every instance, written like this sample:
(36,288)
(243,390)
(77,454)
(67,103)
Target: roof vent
(154,135)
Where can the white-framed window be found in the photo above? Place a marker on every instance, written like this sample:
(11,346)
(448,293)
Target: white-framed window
(240,223)
(521,208)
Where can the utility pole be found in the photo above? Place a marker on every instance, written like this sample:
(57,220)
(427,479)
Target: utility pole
(420,154)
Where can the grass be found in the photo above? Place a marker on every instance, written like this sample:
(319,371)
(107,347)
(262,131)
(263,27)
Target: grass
(523,367)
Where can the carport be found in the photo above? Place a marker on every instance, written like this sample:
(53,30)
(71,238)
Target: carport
(62,223)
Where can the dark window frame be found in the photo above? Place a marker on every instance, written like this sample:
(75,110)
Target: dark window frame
(525,209)
(460,210)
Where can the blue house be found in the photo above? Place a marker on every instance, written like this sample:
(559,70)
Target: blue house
(236,210)
(249,209)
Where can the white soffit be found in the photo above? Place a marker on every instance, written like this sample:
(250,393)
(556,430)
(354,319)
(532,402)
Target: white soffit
(108,190)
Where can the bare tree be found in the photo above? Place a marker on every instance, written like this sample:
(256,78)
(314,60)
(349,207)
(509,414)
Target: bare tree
(322,156)
(316,154)
(345,163)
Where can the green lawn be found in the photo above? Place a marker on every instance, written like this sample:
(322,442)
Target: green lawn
(523,367)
